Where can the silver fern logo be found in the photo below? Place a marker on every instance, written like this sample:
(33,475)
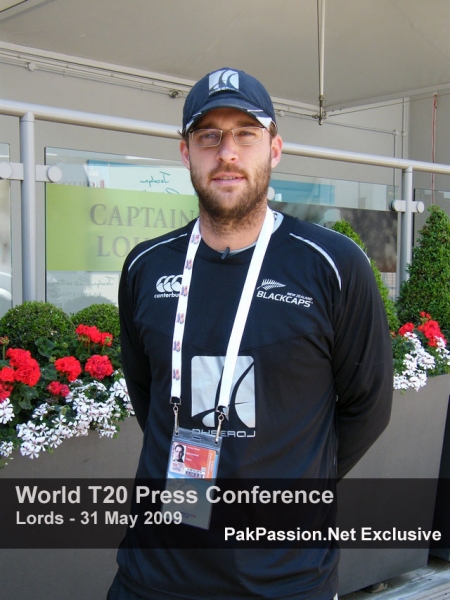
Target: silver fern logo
(224,79)
(265,292)
(270,284)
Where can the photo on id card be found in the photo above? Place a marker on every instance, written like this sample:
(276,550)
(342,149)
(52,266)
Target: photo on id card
(192,467)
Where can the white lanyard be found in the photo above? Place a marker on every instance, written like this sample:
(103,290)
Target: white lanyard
(239,321)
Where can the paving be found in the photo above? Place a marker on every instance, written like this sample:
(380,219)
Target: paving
(428,583)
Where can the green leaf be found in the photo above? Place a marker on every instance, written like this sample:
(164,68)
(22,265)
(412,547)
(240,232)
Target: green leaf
(49,372)
(27,393)
(25,404)
(45,346)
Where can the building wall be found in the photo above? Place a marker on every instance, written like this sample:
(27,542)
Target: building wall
(374,130)
(421,137)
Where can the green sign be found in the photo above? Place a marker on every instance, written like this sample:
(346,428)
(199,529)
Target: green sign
(93,229)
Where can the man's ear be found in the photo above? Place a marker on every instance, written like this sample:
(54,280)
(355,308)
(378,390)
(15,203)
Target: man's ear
(184,150)
(275,149)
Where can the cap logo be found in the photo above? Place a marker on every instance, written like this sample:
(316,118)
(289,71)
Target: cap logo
(225,79)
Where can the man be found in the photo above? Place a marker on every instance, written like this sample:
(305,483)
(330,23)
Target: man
(310,385)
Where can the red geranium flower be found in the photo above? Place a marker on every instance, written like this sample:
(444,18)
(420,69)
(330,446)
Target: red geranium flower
(68,365)
(29,373)
(98,366)
(5,391)
(26,368)
(406,328)
(432,332)
(106,339)
(88,334)
(7,374)
(58,389)
(17,356)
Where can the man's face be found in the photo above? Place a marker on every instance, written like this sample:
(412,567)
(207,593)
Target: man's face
(231,180)
(178,452)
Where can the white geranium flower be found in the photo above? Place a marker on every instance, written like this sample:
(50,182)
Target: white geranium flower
(6,449)
(6,411)
(41,411)
(415,366)
(31,449)
(119,388)
(108,431)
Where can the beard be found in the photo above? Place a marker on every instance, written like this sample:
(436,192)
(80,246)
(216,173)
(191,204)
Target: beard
(240,209)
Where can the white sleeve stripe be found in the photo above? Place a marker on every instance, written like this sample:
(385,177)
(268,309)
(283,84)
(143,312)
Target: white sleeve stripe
(155,246)
(324,254)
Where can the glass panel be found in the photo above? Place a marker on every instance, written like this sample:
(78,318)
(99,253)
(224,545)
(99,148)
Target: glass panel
(365,206)
(5,238)
(105,206)
(102,170)
(300,189)
(92,223)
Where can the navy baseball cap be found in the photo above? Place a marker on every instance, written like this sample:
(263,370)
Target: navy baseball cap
(228,88)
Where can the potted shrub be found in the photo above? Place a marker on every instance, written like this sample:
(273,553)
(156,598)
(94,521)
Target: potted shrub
(428,286)
(411,446)
(57,380)
(82,456)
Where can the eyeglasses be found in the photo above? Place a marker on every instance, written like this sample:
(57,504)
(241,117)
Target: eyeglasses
(243,136)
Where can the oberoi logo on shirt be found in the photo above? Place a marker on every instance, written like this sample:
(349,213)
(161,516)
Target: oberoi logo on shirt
(206,377)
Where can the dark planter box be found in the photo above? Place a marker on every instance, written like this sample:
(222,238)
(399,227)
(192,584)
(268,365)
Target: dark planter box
(69,573)
(442,510)
(86,456)
(410,448)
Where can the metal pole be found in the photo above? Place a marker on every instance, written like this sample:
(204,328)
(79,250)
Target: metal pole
(321,43)
(29,234)
(321,10)
(98,121)
(406,242)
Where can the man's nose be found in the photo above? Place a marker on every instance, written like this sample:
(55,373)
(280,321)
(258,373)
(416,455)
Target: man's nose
(227,149)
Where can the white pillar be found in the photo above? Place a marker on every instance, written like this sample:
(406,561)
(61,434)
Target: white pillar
(29,233)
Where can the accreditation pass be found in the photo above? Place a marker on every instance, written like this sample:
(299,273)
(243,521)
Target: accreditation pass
(192,467)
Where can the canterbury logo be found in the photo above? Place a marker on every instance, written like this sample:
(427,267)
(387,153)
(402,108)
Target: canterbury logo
(169,284)
(270,284)
(225,79)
